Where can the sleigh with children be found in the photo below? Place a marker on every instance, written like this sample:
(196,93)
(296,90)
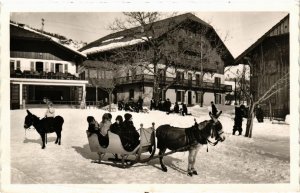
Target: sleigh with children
(164,137)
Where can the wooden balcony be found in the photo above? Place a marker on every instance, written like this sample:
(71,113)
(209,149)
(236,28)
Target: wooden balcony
(179,84)
(43,75)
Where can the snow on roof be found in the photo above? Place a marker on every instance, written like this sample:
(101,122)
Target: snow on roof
(114,45)
(56,40)
(112,39)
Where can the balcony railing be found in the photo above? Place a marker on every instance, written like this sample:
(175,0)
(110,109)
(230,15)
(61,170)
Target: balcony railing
(43,75)
(169,80)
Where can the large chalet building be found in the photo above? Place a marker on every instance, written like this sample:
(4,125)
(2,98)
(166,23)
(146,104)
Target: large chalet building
(41,67)
(269,60)
(191,69)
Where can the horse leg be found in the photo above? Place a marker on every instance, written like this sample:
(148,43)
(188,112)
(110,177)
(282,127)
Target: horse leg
(190,161)
(43,140)
(56,141)
(194,161)
(59,137)
(161,153)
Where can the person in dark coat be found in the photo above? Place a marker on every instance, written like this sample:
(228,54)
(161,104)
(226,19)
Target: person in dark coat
(140,104)
(160,105)
(259,114)
(176,107)
(128,134)
(214,110)
(238,120)
(117,126)
(184,110)
(168,105)
(152,104)
(120,105)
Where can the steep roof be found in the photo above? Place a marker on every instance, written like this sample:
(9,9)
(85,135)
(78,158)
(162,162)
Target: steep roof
(126,37)
(281,28)
(22,31)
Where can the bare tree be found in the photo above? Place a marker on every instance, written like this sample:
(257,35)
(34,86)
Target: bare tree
(279,85)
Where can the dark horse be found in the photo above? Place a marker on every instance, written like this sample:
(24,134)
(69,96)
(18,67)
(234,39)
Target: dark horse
(188,139)
(44,126)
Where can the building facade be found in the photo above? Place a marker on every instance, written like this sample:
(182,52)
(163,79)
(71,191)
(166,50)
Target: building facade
(41,67)
(269,60)
(191,71)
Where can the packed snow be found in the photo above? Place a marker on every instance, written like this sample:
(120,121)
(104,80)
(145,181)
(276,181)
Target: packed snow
(264,158)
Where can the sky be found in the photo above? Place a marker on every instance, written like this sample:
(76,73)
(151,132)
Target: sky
(242,29)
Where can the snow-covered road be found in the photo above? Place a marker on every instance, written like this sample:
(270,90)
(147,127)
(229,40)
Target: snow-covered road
(265,158)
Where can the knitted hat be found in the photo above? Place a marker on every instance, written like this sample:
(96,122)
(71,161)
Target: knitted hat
(119,118)
(127,116)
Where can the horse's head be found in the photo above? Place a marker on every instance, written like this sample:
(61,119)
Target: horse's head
(217,128)
(212,128)
(29,119)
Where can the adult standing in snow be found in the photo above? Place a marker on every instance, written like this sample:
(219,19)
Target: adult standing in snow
(214,110)
(184,110)
(152,104)
(259,114)
(128,134)
(238,119)
(140,104)
(176,107)
(168,105)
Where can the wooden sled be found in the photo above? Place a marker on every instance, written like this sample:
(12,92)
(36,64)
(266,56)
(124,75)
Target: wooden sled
(115,147)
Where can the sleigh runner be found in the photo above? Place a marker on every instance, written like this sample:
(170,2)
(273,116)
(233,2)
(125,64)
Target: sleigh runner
(115,147)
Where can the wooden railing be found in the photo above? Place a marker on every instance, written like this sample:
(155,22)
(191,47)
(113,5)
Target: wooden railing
(145,78)
(43,75)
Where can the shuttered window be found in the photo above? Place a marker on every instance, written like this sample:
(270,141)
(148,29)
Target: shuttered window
(31,66)
(66,68)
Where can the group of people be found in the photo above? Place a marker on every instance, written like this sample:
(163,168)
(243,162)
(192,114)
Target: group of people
(124,128)
(166,107)
(131,106)
(240,113)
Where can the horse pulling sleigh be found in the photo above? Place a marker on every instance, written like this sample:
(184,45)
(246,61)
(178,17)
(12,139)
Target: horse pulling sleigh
(168,137)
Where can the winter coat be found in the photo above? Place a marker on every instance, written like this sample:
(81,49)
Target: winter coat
(116,128)
(104,127)
(50,112)
(176,108)
(238,119)
(129,136)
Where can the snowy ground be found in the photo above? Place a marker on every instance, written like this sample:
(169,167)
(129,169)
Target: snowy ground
(265,158)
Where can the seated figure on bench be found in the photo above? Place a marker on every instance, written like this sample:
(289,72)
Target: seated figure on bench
(104,126)
(128,134)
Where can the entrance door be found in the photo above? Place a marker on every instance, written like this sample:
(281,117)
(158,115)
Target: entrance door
(189,97)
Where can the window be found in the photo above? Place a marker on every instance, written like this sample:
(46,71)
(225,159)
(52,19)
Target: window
(66,68)
(12,65)
(162,74)
(179,76)
(18,65)
(131,94)
(217,98)
(39,66)
(31,66)
(52,67)
(47,67)
(180,96)
(190,79)
(58,67)
(217,82)
(197,79)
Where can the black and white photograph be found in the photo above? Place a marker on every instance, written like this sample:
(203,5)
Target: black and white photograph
(152,97)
